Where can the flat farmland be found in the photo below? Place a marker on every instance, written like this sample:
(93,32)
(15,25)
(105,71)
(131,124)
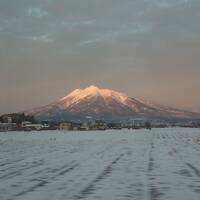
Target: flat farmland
(103,165)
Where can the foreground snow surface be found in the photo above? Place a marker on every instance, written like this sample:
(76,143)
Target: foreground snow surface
(111,165)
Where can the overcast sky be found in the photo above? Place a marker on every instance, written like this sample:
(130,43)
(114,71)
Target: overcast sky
(145,48)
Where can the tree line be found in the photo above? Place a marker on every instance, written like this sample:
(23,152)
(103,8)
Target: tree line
(17,118)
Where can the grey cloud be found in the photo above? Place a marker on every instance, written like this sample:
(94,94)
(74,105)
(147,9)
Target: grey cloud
(40,38)
(37,12)
(75,24)
(123,32)
(165,4)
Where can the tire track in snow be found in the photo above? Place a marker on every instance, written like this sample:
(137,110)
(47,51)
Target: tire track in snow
(194,169)
(189,171)
(92,185)
(155,192)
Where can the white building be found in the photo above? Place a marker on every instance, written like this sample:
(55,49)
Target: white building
(29,126)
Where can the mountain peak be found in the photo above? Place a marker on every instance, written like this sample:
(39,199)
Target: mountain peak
(99,102)
(92,92)
(92,89)
(78,94)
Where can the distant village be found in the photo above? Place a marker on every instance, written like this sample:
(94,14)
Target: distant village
(22,122)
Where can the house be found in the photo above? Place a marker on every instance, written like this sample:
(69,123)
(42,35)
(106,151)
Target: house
(115,126)
(85,127)
(4,127)
(28,126)
(69,126)
(139,123)
(36,127)
(50,125)
(66,126)
(99,125)
(25,123)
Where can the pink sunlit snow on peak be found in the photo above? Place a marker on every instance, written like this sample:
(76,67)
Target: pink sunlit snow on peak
(92,91)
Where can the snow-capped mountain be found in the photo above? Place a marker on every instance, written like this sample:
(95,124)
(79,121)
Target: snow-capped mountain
(104,104)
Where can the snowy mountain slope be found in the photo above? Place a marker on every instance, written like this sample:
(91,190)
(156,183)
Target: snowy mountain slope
(106,104)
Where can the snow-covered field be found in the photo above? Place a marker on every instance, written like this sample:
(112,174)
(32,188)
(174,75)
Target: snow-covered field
(111,165)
